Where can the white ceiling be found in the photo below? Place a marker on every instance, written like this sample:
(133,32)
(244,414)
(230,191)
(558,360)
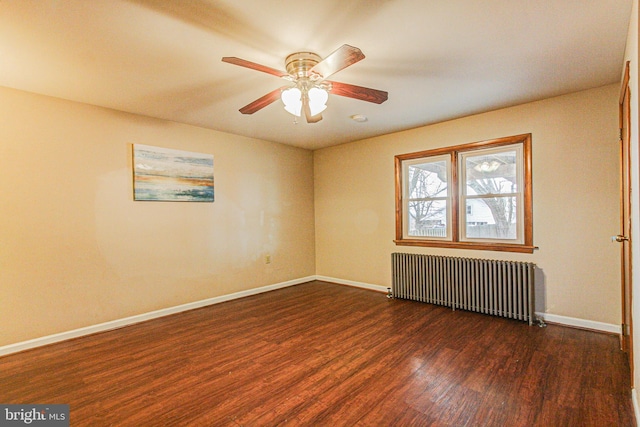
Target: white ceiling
(438,59)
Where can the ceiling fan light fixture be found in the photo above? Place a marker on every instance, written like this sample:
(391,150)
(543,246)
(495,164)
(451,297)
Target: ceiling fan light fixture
(316,96)
(292,100)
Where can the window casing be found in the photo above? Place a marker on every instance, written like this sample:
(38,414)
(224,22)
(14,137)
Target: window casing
(475,196)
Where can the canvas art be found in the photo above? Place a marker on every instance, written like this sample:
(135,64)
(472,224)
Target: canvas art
(163,174)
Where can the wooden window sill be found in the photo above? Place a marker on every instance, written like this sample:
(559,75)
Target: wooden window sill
(502,247)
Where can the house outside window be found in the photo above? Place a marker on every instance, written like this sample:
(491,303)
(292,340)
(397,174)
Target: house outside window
(475,196)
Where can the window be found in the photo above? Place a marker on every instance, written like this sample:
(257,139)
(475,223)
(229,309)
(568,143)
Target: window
(475,196)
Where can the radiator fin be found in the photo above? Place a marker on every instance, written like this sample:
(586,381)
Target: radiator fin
(498,288)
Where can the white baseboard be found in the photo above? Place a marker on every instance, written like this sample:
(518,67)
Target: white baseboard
(119,323)
(550,318)
(634,400)
(377,288)
(580,323)
(50,339)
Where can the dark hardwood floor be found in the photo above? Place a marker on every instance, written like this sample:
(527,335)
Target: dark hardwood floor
(328,355)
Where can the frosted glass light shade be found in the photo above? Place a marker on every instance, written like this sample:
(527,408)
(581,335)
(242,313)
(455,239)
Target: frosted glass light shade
(317,100)
(292,99)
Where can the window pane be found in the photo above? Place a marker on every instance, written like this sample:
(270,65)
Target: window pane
(491,173)
(427,180)
(428,218)
(492,218)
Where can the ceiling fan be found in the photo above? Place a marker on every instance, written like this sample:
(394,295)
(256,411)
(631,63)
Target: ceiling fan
(309,88)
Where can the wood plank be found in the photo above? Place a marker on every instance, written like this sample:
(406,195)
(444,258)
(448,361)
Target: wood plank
(325,354)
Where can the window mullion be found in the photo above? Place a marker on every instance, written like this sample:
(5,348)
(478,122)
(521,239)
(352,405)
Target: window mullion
(455,198)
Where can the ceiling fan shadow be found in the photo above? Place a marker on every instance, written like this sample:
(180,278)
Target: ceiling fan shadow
(214,17)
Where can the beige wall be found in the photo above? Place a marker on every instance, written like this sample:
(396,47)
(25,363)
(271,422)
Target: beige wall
(575,199)
(75,250)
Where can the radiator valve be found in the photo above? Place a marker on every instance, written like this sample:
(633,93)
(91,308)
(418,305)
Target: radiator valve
(389,293)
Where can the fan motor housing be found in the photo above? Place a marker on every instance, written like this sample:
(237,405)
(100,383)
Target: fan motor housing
(299,64)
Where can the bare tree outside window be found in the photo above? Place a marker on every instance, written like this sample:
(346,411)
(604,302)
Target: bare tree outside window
(427,203)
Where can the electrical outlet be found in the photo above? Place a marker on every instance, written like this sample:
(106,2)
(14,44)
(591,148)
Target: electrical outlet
(267,259)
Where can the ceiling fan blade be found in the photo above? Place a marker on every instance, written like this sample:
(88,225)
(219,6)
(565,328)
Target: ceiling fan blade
(359,92)
(307,112)
(338,60)
(248,64)
(262,102)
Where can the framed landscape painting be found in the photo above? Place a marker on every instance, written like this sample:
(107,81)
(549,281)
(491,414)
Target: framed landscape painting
(163,174)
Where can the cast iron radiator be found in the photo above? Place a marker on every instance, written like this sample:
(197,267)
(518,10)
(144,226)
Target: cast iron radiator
(499,288)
